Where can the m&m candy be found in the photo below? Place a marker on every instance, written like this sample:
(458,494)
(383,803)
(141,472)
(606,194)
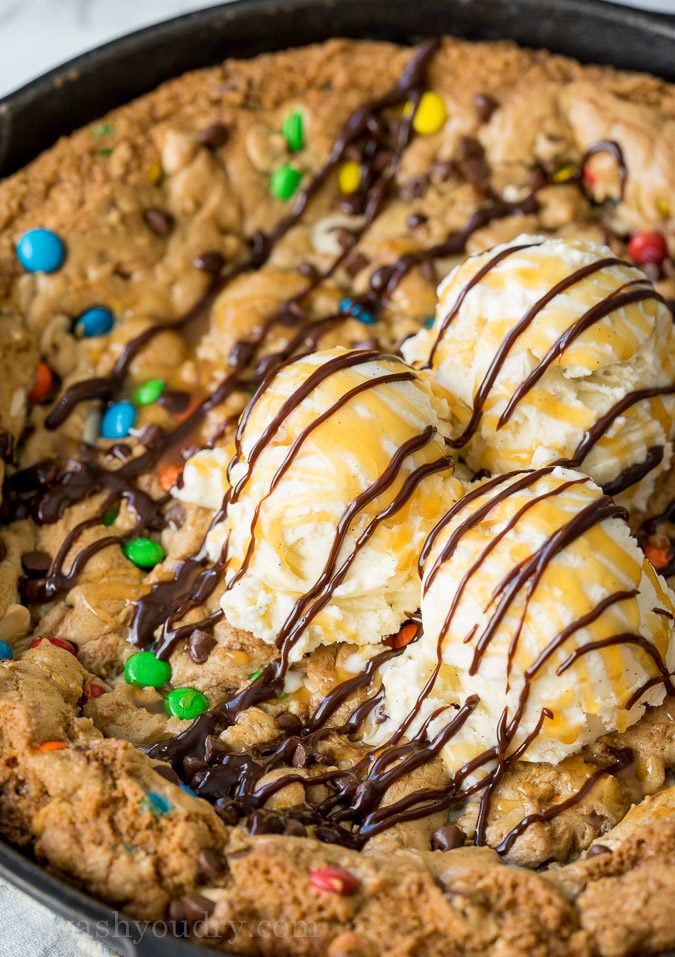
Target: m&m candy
(148,392)
(147,671)
(285,181)
(118,420)
(357,311)
(292,131)
(5,651)
(430,114)
(57,642)
(349,177)
(144,552)
(156,803)
(41,250)
(96,321)
(648,248)
(43,382)
(185,703)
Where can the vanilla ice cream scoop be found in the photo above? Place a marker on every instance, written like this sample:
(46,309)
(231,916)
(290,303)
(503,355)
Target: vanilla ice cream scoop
(555,351)
(537,600)
(340,472)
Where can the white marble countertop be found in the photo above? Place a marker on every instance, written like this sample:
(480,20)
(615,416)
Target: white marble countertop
(36,35)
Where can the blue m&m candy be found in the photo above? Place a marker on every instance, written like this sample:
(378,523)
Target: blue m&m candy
(5,650)
(40,250)
(96,321)
(118,420)
(356,311)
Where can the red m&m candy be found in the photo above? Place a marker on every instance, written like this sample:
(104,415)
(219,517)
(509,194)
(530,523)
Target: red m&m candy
(59,642)
(648,248)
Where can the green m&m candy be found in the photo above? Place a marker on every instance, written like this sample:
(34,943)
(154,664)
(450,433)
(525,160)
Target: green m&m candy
(185,703)
(147,671)
(292,131)
(144,552)
(148,392)
(285,181)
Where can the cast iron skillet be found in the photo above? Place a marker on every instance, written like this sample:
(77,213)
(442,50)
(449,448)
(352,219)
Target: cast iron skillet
(79,91)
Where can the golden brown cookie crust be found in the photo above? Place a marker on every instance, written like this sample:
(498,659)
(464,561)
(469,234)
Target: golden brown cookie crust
(84,808)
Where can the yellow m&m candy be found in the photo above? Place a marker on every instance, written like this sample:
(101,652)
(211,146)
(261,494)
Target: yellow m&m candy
(349,177)
(430,115)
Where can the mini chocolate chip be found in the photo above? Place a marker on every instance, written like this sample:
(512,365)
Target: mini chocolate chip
(227,810)
(291,311)
(381,160)
(327,836)
(537,178)
(447,838)
(31,591)
(192,766)
(3,551)
(176,913)
(213,747)
(351,205)
(237,855)
(380,277)
(485,105)
(416,219)
(119,452)
(599,822)
(413,188)
(200,645)
(469,147)
(167,772)
(211,864)
(376,126)
(174,401)
(213,136)
(159,221)
(197,908)
(345,781)
(596,849)
(476,172)
(354,262)
(175,517)
(262,822)
(295,829)
(345,237)
(289,722)
(308,271)
(300,756)
(36,563)
(442,169)
(6,444)
(211,262)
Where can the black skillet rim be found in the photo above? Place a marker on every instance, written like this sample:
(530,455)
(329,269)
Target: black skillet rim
(73,94)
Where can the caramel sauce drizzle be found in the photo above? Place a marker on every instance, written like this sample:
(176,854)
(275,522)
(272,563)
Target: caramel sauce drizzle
(354,812)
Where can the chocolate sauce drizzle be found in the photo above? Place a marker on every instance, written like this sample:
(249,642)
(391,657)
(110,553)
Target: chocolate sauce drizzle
(634,291)
(354,810)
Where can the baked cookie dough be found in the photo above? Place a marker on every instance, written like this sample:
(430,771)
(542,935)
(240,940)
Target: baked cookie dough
(192,248)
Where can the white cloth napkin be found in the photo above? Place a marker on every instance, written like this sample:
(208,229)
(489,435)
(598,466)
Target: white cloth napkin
(30,930)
